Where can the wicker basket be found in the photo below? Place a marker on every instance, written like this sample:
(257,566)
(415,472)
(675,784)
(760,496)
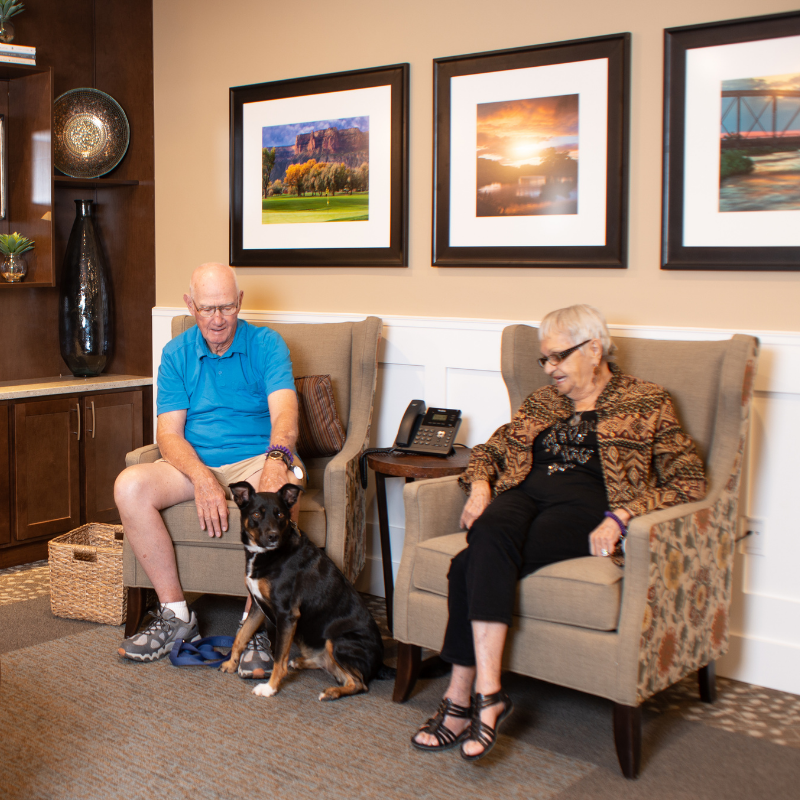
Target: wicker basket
(86,574)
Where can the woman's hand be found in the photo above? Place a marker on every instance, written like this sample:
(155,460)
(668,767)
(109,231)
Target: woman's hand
(480,495)
(603,539)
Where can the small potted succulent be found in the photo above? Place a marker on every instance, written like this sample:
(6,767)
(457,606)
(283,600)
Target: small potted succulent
(12,246)
(8,9)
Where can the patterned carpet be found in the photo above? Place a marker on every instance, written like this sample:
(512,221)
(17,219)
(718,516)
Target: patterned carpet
(78,722)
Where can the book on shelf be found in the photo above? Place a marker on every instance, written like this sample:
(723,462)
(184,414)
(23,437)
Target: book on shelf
(17,54)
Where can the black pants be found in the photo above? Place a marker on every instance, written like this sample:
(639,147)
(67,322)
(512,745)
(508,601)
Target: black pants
(511,539)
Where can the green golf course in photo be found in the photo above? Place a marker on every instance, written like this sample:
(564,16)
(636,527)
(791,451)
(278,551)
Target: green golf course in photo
(287,209)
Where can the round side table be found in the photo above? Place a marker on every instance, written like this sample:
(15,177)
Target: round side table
(409,466)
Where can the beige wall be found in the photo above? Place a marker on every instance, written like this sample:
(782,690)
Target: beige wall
(202,48)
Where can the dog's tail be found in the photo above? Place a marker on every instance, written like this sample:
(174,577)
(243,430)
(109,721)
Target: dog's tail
(385,673)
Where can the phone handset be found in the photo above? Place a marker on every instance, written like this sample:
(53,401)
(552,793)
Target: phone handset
(410,423)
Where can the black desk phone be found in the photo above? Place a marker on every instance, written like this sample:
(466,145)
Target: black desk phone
(429,432)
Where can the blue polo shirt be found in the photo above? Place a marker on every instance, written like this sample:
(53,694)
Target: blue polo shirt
(225,397)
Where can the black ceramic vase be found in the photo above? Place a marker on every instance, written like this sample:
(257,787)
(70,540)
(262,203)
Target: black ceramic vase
(84,308)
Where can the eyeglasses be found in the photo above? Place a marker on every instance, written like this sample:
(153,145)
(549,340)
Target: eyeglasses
(554,359)
(208,311)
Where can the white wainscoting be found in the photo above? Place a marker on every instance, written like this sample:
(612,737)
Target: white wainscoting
(455,363)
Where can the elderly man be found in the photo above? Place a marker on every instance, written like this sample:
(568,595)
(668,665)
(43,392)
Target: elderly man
(227,411)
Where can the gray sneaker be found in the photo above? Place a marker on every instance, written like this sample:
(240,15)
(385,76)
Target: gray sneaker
(158,638)
(256,661)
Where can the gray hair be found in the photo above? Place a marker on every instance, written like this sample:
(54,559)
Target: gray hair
(579,323)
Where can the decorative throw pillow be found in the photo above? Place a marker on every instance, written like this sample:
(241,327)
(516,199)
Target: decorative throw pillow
(321,432)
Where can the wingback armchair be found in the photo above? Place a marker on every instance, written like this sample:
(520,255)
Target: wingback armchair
(332,510)
(619,633)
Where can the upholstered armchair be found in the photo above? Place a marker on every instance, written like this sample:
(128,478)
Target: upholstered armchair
(619,633)
(332,510)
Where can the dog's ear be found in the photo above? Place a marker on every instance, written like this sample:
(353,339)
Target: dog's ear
(242,493)
(289,493)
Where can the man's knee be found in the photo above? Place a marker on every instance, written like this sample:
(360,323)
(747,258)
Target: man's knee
(139,484)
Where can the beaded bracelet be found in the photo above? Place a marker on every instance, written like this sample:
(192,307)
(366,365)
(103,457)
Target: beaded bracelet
(622,527)
(285,450)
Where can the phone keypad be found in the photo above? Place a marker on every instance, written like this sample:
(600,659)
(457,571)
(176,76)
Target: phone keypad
(434,438)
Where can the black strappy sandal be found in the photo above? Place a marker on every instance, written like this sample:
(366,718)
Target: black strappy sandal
(435,726)
(479,731)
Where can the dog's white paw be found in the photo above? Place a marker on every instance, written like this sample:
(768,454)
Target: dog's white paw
(264,690)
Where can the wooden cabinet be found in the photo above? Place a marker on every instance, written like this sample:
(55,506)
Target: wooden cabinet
(112,428)
(46,460)
(5,473)
(59,458)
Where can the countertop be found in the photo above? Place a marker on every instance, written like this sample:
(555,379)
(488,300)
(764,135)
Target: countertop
(68,384)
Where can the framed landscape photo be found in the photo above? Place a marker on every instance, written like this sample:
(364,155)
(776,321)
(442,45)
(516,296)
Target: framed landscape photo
(531,156)
(732,145)
(319,171)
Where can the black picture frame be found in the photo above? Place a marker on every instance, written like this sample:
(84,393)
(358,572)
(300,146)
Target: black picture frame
(447,251)
(676,253)
(394,196)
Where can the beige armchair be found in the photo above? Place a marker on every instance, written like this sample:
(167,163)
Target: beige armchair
(622,634)
(332,510)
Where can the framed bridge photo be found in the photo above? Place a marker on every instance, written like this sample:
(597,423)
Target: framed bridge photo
(732,145)
(319,171)
(531,156)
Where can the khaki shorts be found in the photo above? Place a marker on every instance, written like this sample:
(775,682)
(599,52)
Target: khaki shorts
(247,469)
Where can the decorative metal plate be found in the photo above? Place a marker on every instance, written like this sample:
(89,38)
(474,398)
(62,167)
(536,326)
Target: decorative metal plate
(90,133)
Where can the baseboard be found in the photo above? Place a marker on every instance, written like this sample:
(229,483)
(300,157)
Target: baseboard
(775,665)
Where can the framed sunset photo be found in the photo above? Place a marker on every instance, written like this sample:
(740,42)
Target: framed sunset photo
(531,156)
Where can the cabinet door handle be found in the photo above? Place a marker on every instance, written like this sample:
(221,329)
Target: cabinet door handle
(78,412)
(93,421)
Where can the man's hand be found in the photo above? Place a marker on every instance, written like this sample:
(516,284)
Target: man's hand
(274,475)
(212,506)
(480,495)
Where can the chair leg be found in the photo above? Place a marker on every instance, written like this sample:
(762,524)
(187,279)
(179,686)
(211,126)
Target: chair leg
(136,603)
(707,679)
(409,659)
(628,738)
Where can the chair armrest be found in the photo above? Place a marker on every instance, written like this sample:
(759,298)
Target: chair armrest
(143,455)
(676,594)
(433,508)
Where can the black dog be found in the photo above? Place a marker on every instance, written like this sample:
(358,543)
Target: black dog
(293,582)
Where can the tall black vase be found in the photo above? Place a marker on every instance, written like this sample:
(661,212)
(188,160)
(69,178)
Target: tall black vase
(84,309)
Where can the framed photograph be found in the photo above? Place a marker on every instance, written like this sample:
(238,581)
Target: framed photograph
(319,171)
(732,145)
(531,156)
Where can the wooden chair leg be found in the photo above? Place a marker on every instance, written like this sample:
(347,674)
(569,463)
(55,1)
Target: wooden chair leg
(136,609)
(707,679)
(409,659)
(628,738)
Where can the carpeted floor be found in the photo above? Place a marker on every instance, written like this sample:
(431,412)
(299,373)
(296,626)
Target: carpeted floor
(76,721)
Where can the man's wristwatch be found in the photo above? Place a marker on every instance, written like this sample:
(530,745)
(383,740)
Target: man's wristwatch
(278,453)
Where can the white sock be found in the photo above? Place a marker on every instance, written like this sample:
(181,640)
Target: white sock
(180,610)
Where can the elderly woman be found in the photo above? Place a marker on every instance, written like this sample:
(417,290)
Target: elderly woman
(562,480)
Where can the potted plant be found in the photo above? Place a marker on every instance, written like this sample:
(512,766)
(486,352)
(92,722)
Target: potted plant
(8,9)
(12,246)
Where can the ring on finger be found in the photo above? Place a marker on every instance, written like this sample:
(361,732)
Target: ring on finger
(604,552)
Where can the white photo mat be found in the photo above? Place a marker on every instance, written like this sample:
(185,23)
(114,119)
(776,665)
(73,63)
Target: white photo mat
(375,103)
(589,80)
(706,68)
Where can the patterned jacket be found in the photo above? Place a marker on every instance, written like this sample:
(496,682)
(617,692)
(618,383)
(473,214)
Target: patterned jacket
(648,461)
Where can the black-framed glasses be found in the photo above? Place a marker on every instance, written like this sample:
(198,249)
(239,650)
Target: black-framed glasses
(554,359)
(208,311)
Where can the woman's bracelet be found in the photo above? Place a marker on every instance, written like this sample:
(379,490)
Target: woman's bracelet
(623,530)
